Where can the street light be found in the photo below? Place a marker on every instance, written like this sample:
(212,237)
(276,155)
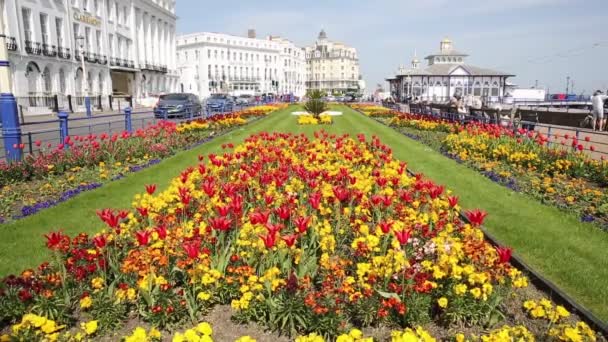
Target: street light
(87,99)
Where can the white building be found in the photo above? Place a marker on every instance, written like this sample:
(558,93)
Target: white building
(128,49)
(447,74)
(221,63)
(333,67)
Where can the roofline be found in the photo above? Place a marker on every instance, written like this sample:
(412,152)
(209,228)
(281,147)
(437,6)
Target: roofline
(454,55)
(488,75)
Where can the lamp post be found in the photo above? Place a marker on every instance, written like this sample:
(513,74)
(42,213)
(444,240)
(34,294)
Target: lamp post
(11,130)
(87,99)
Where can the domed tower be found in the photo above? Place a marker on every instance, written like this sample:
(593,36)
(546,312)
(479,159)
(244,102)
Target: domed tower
(322,35)
(445,45)
(415,61)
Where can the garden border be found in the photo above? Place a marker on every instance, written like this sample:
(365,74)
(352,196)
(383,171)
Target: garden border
(536,278)
(72,193)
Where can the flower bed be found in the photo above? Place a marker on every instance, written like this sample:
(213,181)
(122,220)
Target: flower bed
(305,237)
(552,169)
(374,110)
(82,163)
(308,119)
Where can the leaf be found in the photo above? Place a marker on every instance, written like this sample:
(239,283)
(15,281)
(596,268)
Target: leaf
(388,294)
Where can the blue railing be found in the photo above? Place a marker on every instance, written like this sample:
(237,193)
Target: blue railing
(48,134)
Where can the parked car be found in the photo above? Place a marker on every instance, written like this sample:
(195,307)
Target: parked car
(178,105)
(245,100)
(330,98)
(217,102)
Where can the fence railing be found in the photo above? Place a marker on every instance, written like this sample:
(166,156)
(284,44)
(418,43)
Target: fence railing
(53,103)
(574,138)
(48,134)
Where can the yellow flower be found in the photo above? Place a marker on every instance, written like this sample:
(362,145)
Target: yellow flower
(97,283)
(89,327)
(86,302)
(443,302)
(204,328)
(203,296)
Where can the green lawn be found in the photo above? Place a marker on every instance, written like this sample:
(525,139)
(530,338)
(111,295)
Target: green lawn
(571,254)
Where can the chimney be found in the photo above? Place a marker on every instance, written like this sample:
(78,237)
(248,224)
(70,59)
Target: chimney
(251,33)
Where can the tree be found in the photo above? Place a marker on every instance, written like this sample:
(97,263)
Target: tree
(315,104)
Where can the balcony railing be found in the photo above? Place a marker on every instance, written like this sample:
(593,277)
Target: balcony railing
(33,48)
(64,52)
(49,50)
(11,43)
(103,60)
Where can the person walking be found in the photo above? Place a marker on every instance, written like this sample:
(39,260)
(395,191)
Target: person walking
(597,103)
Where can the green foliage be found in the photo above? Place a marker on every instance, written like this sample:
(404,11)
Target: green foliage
(315,104)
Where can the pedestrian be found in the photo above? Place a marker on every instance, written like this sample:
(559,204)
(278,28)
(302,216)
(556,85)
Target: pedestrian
(597,102)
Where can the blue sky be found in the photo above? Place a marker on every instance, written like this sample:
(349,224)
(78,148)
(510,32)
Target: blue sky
(544,40)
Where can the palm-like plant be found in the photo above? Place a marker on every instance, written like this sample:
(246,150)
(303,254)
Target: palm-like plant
(315,104)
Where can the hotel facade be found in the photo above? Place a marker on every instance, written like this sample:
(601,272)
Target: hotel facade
(128,48)
(332,67)
(211,63)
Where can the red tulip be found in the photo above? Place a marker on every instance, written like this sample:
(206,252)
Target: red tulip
(315,200)
(191,248)
(385,226)
(150,188)
(224,210)
(592,148)
(341,193)
(580,147)
(100,241)
(259,217)
(268,199)
(453,201)
(269,240)
(109,218)
(504,254)
(403,236)
(301,224)
(436,191)
(220,223)
(274,228)
(290,239)
(587,139)
(476,216)
(209,187)
(161,231)
(283,212)
(143,211)
(143,237)
(53,239)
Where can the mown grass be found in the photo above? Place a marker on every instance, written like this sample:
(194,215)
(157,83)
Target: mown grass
(569,253)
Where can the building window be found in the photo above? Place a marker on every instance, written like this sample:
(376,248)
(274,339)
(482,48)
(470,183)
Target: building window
(44,28)
(98,41)
(124,16)
(208,53)
(108,9)
(87,37)
(85,5)
(96,7)
(76,29)
(111,42)
(26,13)
(59,31)
(215,54)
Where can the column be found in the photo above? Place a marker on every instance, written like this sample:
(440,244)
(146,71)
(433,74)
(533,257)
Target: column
(147,37)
